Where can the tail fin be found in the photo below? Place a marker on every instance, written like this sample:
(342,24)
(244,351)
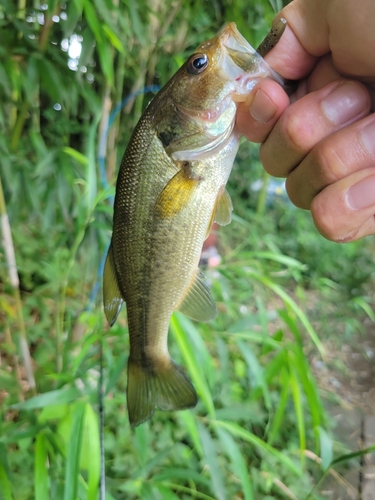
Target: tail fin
(160,383)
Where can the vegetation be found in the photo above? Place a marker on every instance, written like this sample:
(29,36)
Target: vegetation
(69,76)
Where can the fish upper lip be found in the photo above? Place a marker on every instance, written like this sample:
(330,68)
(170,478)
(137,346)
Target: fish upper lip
(234,40)
(207,115)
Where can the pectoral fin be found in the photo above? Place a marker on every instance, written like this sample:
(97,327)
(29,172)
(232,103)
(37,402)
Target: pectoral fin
(222,212)
(178,192)
(112,298)
(224,209)
(198,303)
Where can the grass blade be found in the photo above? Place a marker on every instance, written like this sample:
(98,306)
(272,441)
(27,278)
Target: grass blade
(191,426)
(5,485)
(279,415)
(195,369)
(90,459)
(256,371)
(65,395)
(240,468)
(40,470)
(293,306)
(73,454)
(212,462)
(326,448)
(251,438)
(203,355)
(298,405)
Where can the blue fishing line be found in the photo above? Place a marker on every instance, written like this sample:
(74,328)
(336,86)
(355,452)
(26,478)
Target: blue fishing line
(104,180)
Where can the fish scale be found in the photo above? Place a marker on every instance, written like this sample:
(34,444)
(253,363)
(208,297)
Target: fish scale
(170,189)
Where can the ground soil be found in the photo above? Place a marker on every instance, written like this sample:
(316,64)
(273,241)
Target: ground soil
(347,381)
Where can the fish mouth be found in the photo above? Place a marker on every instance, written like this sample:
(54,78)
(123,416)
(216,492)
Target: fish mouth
(241,62)
(207,115)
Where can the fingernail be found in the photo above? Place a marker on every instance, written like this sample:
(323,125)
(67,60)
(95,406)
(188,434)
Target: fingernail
(368,138)
(362,194)
(262,109)
(344,103)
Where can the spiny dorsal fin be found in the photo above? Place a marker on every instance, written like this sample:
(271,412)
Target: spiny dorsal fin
(198,303)
(112,298)
(178,192)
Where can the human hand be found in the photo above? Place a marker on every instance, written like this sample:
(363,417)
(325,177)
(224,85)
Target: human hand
(324,142)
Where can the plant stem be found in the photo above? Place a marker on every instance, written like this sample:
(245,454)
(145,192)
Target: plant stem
(14,282)
(261,205)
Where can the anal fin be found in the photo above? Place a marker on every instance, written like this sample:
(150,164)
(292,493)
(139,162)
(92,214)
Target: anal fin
(112,298)
(198,303)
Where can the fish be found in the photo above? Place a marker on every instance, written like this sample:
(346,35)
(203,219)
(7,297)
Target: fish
(170,189)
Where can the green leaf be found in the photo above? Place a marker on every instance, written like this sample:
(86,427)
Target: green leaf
(360,302)
(293,306)
(326,448)
(40,472)
(81,158)
(210,458)
(277,421)
(256,371)
(165,492)
(53,412)
(203,355)
(113,38)
(190,425)
(239,466)
(185,474)
(5,484)
(194,367)
(137,24)
(238,431)
(298,405)
(106,62)
(90,458)
(93,20)
(65,395)
(73,454)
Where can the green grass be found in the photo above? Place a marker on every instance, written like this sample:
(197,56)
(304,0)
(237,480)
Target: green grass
(259,412)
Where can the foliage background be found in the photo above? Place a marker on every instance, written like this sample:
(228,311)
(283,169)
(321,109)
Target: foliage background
(64,126)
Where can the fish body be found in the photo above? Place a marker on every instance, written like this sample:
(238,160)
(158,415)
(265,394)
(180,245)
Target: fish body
(170,189)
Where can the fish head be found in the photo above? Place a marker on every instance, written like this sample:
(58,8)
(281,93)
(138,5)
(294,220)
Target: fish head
(204,93)
(222,68)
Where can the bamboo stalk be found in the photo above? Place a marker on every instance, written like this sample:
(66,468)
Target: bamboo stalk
(17,369)
(14,282)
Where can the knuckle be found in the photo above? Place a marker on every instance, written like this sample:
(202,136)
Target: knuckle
(296,193)
(330,222)
(297,132)
(269,161)
(328,163)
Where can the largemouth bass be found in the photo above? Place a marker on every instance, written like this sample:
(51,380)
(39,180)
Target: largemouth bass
(170,189)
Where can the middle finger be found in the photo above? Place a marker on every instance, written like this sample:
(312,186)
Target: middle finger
(309,120)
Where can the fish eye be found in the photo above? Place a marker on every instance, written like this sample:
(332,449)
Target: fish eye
(197,64)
